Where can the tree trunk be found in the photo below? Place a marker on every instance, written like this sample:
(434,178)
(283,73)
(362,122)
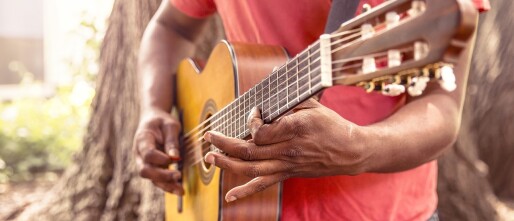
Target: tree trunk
(491,97)
(467,186)
(102,183)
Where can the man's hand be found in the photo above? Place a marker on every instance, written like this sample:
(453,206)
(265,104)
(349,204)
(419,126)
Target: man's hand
(156,147)
(313,141)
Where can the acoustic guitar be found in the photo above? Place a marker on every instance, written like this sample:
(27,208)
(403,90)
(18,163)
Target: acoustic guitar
(399,46)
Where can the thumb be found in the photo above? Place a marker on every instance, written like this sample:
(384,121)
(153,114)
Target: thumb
(170,131)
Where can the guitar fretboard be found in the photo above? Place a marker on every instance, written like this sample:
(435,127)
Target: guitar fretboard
(279,92)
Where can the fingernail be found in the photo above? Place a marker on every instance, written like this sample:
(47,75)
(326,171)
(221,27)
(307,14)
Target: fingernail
(209,158)
(172,152)
(252,111)
(207,136)
(230,199)
(177,176)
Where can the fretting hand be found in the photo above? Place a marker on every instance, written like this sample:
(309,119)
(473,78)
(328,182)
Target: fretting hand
(313,141)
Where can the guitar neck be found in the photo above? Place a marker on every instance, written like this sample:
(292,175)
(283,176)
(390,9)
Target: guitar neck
(287,86)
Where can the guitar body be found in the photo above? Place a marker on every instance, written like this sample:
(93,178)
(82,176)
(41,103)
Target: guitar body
(231,70)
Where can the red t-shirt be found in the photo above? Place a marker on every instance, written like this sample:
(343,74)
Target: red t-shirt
(294,24)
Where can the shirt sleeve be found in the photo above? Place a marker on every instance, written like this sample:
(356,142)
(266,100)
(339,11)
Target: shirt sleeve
(195,8)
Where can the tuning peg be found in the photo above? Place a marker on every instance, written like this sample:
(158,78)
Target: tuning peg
(365,8)
(417,7)
(418,85)
(393,89)
(447,78)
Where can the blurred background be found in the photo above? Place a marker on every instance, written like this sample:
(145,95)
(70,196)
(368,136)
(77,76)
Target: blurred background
(48,65)
(69,109)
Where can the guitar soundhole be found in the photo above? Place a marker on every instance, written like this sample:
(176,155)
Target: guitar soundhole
(206,146)
(206,169)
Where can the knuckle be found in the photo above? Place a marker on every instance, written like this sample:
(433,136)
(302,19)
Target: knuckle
(258,137)
(260,186)
(172,124)
(245,153)
(143,172)
(147,156)
(299,126)
(169,177)
(253,171)
(293,152)
(221,162)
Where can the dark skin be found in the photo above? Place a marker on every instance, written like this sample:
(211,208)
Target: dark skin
(312,141)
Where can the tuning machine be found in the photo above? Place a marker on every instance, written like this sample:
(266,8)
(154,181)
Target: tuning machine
(447,78)
(444,75)
(417,85)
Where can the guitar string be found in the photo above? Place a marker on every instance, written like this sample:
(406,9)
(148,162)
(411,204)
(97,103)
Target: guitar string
(280,84)
(263,101)
(246,131)
(192,154)
(190,139)
(194,130)
(196,155)
(308,57)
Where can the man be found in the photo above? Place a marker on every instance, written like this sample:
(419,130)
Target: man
(387,144)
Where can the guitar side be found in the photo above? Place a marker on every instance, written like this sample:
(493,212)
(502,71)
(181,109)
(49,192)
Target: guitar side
(231,70)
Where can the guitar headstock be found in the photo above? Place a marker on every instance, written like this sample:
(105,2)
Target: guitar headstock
(400,45)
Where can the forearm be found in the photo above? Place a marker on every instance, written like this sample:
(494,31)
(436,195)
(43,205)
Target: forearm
(422,129)
(415,134)
(158,60)
(168,38)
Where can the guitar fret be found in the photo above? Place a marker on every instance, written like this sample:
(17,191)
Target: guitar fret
(303,75)
(315,62)
(282,81)
(265,100)
(224,128)
(274,95)
(291,79)
(284,88)
(309,67)
(240,112)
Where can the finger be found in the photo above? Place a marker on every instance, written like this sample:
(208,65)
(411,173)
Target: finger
(146,150)
(157,174)
(247,168)
(285,128)
(157,158)
(254,121)
(173,187)
(280,130)
(170,131)
(240,148)
(255,185)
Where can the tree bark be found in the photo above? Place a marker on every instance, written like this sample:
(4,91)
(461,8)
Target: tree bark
(102,183)
(479,167)
(491,97)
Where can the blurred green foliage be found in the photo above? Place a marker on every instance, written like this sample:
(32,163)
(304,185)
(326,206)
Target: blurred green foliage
(41,134)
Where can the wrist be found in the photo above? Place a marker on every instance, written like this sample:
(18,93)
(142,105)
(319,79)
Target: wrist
(366,141)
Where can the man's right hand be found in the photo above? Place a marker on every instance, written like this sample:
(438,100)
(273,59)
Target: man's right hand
(156,147)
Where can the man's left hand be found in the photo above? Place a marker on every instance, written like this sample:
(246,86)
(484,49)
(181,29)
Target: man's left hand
(313,141)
